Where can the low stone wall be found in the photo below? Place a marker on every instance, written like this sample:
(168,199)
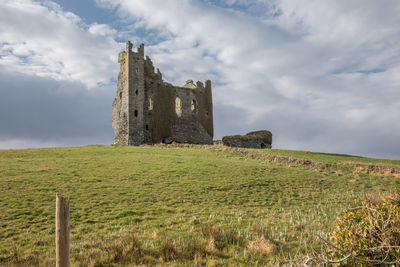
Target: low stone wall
(257,139)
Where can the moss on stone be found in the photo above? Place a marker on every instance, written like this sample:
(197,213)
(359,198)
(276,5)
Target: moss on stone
(164,115)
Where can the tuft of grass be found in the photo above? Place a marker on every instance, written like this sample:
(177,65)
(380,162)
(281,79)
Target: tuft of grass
(168,249)
(220,237)
(262,246)
(193,248)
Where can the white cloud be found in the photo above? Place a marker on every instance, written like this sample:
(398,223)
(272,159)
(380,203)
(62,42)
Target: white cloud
(328,63)
(42,39)
(102,30)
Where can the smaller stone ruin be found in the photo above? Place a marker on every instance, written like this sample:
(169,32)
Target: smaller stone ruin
(257,139)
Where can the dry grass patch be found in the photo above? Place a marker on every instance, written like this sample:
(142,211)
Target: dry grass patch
(262,246)
(116,249)
(220,237)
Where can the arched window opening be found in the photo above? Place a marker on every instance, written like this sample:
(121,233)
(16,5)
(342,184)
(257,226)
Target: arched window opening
(147,127)
(136,92)
(178,107)
(136,113)
(150,104)
(193,107)
(120,94)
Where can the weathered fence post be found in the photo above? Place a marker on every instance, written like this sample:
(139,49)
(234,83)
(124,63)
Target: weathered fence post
(62,232)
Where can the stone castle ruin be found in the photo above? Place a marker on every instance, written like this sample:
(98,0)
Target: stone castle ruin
(147,110)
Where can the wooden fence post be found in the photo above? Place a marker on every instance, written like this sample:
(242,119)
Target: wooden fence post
(62,232)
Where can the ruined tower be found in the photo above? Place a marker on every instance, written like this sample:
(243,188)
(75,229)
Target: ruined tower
(147,110)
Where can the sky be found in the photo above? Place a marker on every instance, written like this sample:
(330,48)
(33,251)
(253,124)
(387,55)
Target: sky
(322,76)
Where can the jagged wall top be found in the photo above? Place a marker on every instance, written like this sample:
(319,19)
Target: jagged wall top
(140,51)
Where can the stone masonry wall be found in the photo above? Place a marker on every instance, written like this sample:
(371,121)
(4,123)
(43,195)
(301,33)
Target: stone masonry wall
(148,110)
(120,106)
(257,139)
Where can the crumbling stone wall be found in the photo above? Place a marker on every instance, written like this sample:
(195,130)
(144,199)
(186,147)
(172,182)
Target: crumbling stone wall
(257,139)
(148,110)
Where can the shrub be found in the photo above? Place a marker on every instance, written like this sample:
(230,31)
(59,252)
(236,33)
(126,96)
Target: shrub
(369,233)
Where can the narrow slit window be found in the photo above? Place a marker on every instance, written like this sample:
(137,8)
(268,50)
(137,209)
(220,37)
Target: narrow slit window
(150,104)
(136,113)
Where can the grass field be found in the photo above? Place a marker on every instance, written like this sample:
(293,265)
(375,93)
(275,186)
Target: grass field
(173,205)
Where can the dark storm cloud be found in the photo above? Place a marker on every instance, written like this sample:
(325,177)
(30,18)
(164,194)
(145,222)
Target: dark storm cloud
(47,110)
(229,120)
(308,131)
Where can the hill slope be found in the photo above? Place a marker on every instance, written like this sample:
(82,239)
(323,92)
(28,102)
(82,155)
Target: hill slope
(151,204)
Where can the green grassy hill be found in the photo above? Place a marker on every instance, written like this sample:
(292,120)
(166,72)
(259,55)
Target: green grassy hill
(178,205)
